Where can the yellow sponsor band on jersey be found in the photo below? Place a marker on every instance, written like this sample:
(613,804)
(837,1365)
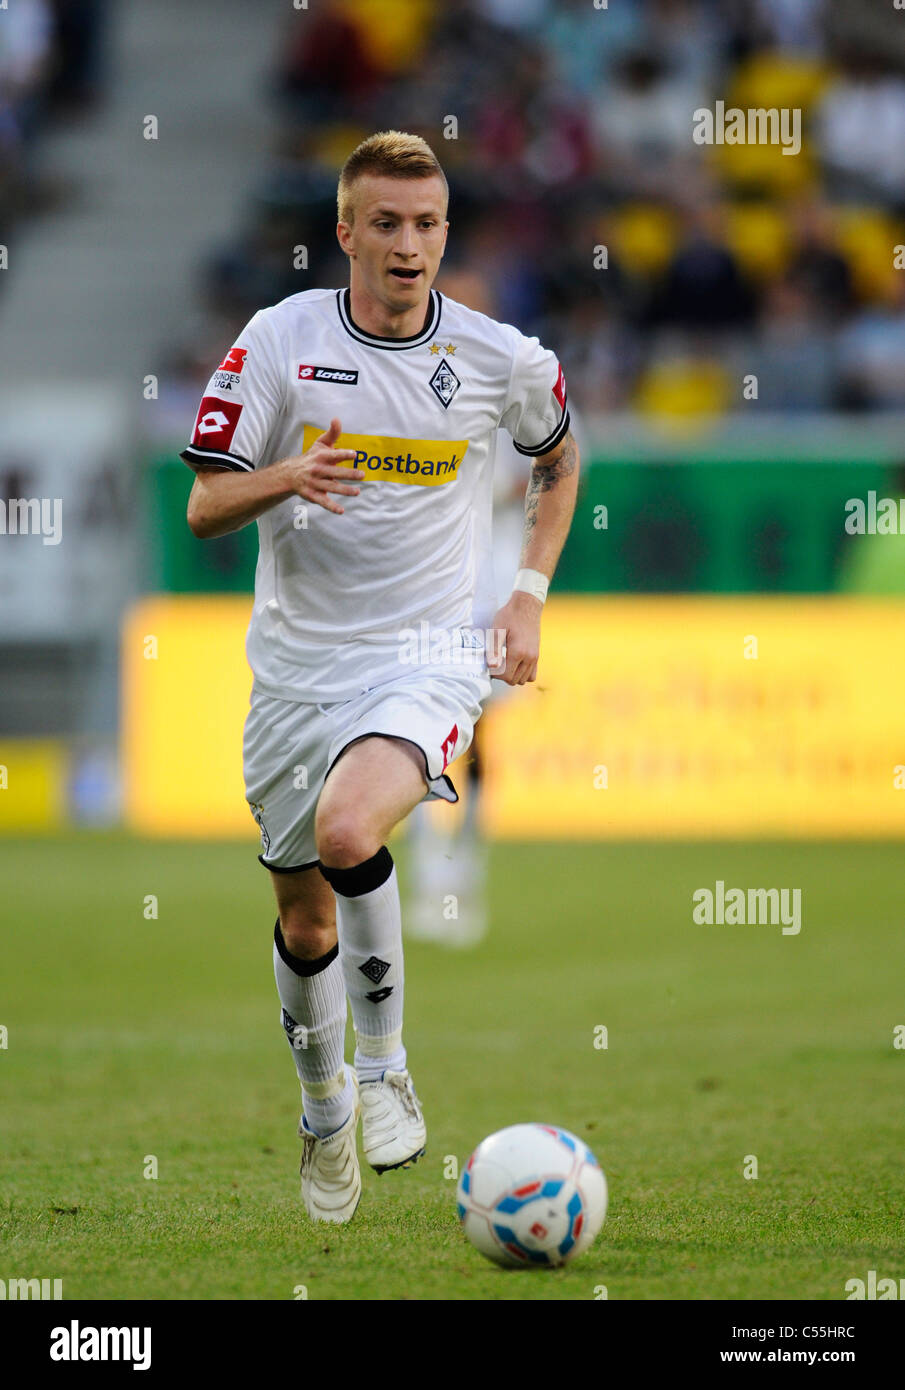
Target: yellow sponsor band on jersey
(426,462)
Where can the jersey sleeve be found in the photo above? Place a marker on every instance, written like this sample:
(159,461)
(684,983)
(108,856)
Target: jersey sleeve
(241,403)
(536,410)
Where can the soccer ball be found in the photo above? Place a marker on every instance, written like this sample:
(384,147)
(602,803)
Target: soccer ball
(532,1195)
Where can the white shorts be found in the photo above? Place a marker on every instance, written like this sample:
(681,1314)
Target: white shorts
(289,747)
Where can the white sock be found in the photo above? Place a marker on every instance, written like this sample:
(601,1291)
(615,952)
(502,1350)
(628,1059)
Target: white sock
(313,1015)
(369,929)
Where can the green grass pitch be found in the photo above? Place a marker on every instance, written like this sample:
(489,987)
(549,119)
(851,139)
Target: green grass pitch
(130,1037)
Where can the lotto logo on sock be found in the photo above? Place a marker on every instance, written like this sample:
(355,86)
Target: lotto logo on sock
(374,969)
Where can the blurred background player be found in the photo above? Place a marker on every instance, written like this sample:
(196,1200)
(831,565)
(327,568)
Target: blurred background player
(447,894)
(447,884)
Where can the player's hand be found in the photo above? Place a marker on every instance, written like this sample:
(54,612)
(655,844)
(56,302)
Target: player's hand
(317,473)
(519,622)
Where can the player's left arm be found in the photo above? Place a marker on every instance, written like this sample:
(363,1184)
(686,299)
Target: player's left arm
(549,508)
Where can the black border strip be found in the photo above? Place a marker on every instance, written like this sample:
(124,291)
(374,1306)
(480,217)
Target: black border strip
(381,733)
(445,777)
(344,309)
(555,438)
(303,968)
(234,462)
(363,878)
(275,868)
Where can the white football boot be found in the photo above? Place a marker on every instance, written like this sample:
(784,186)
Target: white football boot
(392,1126)
(331,1177)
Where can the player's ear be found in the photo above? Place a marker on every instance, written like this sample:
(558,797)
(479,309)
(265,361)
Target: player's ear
(344,237)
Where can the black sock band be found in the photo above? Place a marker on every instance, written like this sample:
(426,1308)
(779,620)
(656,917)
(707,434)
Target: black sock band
(361,878)
(295,963)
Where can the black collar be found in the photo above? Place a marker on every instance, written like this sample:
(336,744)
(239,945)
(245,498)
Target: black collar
(344,308)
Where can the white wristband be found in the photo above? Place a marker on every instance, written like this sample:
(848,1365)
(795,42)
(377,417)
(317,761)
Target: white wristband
(532,582)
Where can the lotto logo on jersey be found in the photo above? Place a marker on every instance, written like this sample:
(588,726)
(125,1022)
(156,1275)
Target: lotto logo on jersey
(216,423)
(559,390)
(342,376)
(424,462)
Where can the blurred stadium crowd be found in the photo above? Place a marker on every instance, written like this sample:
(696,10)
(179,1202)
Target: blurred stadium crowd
(573,131)
(51,67)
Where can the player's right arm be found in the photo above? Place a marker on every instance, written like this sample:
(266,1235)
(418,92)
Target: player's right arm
(242,406)
(222,501)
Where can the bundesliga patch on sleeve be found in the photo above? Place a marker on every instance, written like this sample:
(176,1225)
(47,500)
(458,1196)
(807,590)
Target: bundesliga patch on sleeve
(229,373)
(216,423)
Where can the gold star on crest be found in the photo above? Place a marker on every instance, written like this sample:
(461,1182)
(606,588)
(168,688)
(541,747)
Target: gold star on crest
(450,349)
(434,349)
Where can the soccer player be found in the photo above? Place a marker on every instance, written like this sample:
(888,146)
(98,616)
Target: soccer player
(357,428)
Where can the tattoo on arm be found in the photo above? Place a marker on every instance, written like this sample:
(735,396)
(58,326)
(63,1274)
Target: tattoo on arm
(544,477)
(560,464)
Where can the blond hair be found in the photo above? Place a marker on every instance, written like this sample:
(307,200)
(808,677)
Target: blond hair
(392,153)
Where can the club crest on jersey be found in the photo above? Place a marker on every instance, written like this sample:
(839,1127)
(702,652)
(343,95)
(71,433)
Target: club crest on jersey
(342,376)
(444,383)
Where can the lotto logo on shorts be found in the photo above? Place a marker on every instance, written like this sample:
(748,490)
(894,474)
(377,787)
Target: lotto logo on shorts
(216,423)
(447,747)
(425,462)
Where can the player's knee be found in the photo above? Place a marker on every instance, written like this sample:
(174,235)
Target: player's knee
(308,934)
(343,840)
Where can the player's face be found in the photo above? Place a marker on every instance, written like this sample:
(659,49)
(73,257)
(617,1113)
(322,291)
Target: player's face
(397,239)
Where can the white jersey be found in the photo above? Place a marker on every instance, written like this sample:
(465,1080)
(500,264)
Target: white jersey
(337,597)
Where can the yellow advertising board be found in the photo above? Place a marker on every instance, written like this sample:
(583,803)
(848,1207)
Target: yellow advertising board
(186,685)
(706,716)
(651,716)
(33,776)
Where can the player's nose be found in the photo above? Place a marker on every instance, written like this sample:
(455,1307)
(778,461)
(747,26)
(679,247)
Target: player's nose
(406,244)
